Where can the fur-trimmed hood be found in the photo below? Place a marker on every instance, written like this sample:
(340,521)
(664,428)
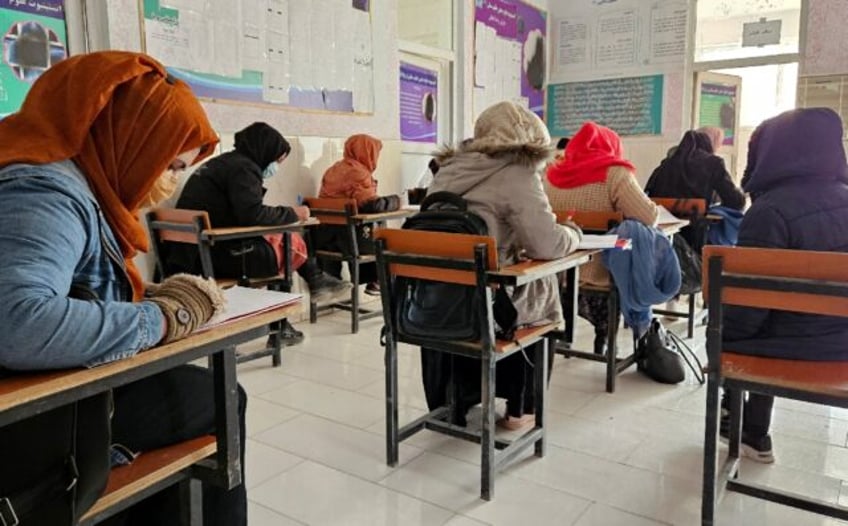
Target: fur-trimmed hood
(529,155)
(507,131)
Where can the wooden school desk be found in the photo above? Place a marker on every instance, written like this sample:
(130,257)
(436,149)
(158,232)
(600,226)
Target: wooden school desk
(27,395)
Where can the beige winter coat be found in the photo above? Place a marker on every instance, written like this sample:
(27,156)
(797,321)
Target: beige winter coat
(503,185)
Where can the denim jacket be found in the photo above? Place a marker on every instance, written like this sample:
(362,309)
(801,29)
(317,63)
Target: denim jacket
(56,243)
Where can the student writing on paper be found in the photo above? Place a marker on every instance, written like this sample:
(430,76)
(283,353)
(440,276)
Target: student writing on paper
(230,188)
(98,137)
(594,176)
(498,174)
(353,178)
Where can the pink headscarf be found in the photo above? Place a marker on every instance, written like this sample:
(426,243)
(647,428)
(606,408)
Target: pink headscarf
(715,134)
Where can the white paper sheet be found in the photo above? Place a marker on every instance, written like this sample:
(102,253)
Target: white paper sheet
(301,42)
(243,301)
(665,217)
(591,241)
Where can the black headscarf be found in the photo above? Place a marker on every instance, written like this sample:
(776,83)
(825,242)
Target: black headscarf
(686,171)
(261,143)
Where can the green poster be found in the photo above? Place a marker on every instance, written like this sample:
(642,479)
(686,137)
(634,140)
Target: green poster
(34,39)
(718,108)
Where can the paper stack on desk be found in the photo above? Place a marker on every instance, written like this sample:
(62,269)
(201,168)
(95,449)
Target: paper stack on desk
(244,301)
(594,242)
(665,217)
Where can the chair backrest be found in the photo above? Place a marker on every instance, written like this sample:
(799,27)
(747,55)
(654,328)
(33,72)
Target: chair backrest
(684,208)
(788,280)
(178,226)
(435,256)
(591,220)
(332,211)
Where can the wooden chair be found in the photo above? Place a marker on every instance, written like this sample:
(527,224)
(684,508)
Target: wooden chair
(784,280)
(173,225)
(598,223)
(463,260)
(695,211)
(339,214)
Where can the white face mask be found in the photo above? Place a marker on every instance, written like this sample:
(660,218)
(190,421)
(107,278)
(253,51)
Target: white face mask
(270,170)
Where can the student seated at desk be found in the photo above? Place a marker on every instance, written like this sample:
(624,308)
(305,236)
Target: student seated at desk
(694,171)
(353,178)
(797,177)
(229,187)
(98,137)
(594,176)
(498,174)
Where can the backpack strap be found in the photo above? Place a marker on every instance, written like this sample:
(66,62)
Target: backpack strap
(457,201)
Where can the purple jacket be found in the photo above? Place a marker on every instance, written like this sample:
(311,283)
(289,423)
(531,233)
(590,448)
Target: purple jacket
(798,180)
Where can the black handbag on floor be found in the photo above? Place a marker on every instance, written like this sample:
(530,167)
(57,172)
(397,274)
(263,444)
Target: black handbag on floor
(660,355)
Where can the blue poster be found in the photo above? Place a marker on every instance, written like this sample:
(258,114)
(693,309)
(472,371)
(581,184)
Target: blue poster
(629,106)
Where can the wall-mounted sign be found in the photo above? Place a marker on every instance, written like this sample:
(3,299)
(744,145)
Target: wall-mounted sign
(762,33)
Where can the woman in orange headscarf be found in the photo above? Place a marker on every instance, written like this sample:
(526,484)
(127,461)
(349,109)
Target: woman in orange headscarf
(353,178)
(595,176)
(98,137)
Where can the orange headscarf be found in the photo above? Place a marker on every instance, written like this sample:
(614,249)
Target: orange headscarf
(588,156)
(122,120)
(352,177)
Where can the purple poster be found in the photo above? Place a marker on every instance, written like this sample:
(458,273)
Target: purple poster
(532,29)
(516,21)
(498,14)
(418,104)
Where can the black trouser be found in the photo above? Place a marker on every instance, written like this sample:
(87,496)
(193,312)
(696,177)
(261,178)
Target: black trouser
(756,419)
(165,409)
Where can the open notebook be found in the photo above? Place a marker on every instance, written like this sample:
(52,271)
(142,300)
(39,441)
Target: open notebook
(244,301)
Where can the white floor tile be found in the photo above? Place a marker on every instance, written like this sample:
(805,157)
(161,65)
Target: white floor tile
(461,520)
(263,462)
(326,371)
(603,515)
(258,515)
(341,447)
(456,485)
(262,414)
(318,495)
(339,405)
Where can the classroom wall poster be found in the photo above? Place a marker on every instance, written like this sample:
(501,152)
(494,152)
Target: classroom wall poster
(418,104)
(510,56)
(262,51)
(718,108)
(629,106)
(34,39)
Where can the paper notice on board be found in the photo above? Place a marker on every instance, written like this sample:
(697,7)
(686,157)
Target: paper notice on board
(301,42)
(573,44)
(227,50)
(275,83)
(616,39)
(277,15)
(668,33)
(323,64)
(343,57)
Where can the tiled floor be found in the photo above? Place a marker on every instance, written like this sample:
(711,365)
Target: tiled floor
(316,452)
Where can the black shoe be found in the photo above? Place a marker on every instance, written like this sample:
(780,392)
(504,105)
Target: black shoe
(756,448)
(600,344)
(288,335)
(372,289)
(325,288)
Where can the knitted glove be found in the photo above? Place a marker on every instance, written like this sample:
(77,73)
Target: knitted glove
(187,302)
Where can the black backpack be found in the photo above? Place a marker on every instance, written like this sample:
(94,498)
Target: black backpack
(452,310)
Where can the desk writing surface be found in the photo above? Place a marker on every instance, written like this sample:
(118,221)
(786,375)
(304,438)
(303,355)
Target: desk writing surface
(212,233)
(26,388)
(533,269)
(672,228)
(385,216)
